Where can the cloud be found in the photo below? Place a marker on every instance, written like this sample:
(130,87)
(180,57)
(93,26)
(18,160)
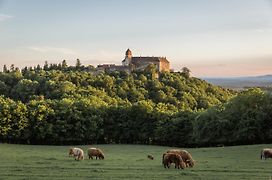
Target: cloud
(96,55)
(260,30)
(38,49)
(4,17)
(53,49)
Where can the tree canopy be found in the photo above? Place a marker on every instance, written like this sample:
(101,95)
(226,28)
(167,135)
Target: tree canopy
(61,104)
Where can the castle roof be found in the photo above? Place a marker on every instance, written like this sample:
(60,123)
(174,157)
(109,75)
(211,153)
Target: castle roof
(136,60)
(128,52)
(149,59)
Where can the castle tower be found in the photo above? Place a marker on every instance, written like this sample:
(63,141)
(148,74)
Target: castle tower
(128,58)
(128,54)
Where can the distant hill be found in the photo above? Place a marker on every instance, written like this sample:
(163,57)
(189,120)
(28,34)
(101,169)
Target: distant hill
(241,82)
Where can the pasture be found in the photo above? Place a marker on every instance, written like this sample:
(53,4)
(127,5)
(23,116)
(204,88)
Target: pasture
(130,162)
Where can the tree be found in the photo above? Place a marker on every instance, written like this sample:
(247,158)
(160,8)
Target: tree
(78,64)
(185,72)
(4,89)
(5,69)
(12,68)
(40,127)
(175,130)
(46,66)
(13,121)
(246,114)
(151,71)
(211,128)
(64,64)
(38,67)
(25,89)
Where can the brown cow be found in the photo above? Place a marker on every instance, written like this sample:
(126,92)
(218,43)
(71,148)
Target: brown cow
(266,153)
(98,153)
(185,155)
(169,158)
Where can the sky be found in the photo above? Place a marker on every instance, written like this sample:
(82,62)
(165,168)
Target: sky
(213,38)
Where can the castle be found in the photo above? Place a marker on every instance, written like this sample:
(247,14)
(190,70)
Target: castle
(131,63)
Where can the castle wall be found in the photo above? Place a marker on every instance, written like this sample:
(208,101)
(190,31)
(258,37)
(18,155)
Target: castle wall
(143,64)
(126,61)
(164,66)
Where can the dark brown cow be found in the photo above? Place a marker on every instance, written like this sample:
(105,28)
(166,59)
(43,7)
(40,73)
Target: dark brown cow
(185,155)
(98,153)
(266,153)
(169,158)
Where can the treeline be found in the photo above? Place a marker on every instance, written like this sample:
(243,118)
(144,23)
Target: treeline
(175,91)
(49,106)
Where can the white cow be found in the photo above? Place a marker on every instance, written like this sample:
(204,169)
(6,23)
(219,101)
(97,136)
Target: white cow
(77,153)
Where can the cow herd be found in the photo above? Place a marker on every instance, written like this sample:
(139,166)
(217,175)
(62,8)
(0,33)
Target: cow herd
(181,158)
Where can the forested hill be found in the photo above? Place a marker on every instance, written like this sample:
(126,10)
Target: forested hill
(77,105)
(173,92)
(68,105)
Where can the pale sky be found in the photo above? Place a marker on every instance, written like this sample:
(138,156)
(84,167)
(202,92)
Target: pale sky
(210,37)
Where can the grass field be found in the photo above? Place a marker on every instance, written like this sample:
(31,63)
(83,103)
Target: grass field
(130,162)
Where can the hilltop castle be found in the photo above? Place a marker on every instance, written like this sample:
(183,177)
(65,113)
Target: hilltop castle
(131,63)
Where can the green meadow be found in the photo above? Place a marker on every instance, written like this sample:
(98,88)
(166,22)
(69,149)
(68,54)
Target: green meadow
(130,162)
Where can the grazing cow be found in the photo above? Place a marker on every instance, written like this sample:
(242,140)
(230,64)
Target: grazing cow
(169,158)
(266,153)
(149,156)
(98,153)
(185,155)
(77,153)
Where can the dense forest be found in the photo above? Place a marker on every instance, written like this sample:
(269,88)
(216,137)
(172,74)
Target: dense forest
(61,104)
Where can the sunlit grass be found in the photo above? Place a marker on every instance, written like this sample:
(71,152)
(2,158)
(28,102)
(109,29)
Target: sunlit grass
(131,162)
